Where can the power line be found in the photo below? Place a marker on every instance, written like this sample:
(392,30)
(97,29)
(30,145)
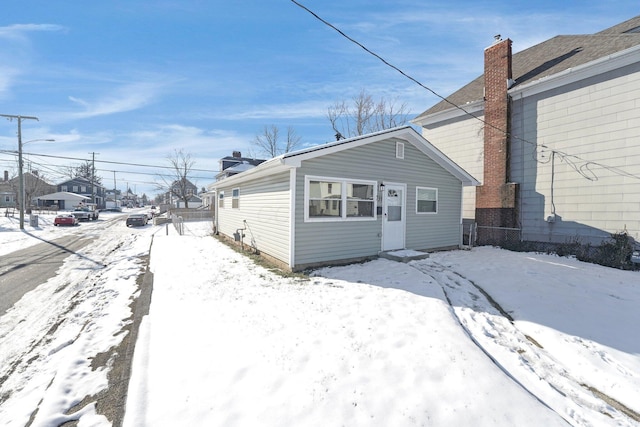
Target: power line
(105,161)
(584,170)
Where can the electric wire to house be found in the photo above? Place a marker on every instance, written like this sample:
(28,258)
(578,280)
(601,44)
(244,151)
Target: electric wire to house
(585,169)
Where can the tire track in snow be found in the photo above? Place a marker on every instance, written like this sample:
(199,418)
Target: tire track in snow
(519,356)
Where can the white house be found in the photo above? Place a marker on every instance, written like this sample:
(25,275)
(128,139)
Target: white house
(552,132)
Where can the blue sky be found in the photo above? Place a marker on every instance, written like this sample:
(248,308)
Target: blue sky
(132,81)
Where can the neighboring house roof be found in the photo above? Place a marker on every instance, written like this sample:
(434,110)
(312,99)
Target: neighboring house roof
(229,161)
(232,165)
(293,159)
(80,180)
(63,195)
(178,183)
(551,57)
(240,167)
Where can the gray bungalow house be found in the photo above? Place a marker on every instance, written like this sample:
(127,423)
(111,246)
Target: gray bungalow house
(346,201)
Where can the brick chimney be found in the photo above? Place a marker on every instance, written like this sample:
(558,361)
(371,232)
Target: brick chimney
(237,154)
(6,175)
(496,197)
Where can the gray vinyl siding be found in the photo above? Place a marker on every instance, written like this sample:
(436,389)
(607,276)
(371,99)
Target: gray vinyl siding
(264,204)
(338,240)
(598,120)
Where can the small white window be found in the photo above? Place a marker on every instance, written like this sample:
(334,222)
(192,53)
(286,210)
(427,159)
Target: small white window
(426,200)
(399,150)
(63,188)
(235,198)
(221,199)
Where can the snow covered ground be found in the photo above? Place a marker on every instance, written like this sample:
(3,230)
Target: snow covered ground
(482,337)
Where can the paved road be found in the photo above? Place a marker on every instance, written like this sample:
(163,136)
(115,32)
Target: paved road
(24,270)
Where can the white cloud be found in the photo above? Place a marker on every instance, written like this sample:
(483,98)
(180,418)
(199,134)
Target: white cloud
(17,31)
(126,98)
(16,50)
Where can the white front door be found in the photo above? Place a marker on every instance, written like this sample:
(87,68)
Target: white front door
(394,216)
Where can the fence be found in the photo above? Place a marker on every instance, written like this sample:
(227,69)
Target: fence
(497,236)
(178,223)
(193,214)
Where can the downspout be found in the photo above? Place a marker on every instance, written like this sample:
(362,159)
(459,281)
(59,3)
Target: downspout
(216,230)
(292,217)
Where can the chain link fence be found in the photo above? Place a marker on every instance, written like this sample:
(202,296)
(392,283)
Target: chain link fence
(478,235)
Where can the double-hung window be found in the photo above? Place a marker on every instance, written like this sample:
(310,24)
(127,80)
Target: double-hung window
(338,199)
(235,198)
(426,200)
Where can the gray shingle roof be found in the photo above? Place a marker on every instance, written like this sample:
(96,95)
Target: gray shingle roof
(550,57)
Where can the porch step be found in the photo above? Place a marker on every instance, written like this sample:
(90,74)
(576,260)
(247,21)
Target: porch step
(404,255)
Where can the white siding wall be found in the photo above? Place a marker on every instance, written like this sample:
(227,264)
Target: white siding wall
(458,139)
(597,120)
(264,204)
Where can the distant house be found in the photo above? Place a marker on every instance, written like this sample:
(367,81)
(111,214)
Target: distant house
(235,164)
(552,133)
(8,192)
(83,186)
(194,202)
(179,191)
(346,200)
(229,166)
(62,200)
(34,186)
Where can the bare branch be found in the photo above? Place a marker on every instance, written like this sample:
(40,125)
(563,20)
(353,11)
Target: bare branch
(365,115)
(268,142)
(177,184)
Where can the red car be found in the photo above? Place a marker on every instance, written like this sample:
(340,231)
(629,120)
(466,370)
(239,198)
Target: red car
(65,219)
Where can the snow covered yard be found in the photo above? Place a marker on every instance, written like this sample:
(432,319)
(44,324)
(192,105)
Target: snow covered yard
(228,343)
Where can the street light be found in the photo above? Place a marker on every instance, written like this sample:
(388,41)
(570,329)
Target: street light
(21,175)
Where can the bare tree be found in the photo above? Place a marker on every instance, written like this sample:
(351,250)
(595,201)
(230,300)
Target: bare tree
(86,170)
(270,144)
(176,184)
(365,115)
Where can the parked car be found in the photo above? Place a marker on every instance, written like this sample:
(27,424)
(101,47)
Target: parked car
(137,219)
(65,219)
(87,212)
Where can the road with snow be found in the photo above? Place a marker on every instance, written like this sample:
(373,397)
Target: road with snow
(24,270)
(72,291)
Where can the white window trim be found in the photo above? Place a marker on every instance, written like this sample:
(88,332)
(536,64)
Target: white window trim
(220,200)
(437,202)
(399,150)
(235,198)
(343,182)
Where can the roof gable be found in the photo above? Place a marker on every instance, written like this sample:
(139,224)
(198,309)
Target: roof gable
(405,134)
(550,57)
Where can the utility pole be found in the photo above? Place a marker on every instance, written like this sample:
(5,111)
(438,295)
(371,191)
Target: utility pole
(20,175)
(93,176)
(115,191)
